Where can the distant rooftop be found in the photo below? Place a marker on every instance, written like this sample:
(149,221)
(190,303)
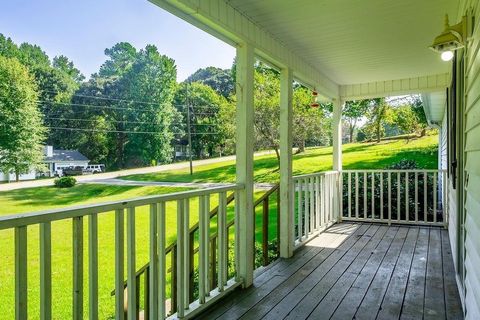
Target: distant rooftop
(66,155)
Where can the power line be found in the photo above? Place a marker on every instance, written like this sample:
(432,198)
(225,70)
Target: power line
(125,131)
(128,121)
(43,104)
(108,98)
(131,100)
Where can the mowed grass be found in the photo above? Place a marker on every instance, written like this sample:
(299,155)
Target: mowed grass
(36,199)
(355,156)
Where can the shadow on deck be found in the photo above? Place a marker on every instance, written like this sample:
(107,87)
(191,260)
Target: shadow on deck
(354,271)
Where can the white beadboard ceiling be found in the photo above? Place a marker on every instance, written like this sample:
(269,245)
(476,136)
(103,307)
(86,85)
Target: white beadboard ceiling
(357,41)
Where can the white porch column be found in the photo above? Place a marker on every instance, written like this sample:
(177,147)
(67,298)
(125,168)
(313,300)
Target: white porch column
(286,183)
(244,160)
(337,155)
(337,134)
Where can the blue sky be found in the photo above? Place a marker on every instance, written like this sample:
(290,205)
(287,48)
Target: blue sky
(81,30)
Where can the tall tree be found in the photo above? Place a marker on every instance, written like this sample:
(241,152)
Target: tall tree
(267,108)
(309,124)
(21,128)
(379,115)
(352,112)
(65,65)
(133,93)
(218,79)
(204,106)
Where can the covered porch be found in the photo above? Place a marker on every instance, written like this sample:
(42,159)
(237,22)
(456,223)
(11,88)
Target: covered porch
(361,244)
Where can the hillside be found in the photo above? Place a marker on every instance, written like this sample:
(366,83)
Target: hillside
(355,156)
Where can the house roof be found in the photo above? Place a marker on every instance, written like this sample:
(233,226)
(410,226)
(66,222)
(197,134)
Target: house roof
(66,155)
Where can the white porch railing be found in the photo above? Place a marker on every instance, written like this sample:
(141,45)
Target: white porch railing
(385,196)
(316,204)
(157,248)
(395,196)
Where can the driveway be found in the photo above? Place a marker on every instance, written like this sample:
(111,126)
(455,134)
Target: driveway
(96,178)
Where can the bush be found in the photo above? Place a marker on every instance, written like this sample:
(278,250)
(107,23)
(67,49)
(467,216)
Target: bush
(404,164)
(65,182)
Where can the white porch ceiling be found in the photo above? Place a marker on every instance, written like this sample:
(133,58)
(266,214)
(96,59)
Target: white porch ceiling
(357,41)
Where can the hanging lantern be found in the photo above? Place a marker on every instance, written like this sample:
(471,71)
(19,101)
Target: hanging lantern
(314,103)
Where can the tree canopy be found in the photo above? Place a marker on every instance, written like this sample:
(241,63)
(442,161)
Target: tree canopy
(21,129)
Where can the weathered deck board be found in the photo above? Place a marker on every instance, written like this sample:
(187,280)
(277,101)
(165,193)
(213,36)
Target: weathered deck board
(355,271)
(348,306)
(434,296)
(413,302)
(453,305)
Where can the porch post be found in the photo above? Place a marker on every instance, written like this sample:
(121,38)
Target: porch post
(337,134)
(244,161)
(286,183)
(337,156)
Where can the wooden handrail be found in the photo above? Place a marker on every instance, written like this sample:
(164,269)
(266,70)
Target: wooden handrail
(193,229)
(266,195)
(264,200)
(17,220)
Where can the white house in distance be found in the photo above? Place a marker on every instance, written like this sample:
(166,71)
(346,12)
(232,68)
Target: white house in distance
(55,160)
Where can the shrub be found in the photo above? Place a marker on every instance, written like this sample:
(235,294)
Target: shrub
(404,164)
(65,182)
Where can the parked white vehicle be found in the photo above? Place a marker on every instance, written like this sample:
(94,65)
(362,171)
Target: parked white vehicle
(96,168)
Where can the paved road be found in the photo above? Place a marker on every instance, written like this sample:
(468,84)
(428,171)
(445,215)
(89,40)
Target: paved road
(116,174)
(200,185)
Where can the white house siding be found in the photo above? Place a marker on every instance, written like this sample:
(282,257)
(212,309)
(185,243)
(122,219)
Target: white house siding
(451,202)
(12,177)
(472,169)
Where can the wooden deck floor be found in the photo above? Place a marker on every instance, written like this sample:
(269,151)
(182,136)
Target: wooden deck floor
(355,271)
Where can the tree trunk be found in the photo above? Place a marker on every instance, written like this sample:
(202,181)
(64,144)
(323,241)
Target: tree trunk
(17,175)
(423,132)
(301,146)
(352,129)
(120,150)
(378,133)
(278,154)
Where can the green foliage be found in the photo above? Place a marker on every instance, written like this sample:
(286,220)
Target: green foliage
(352,112)
(66,66)
(218,79)
(208,112)
(133,92)
(65,182)
(311,126)
(380,114)
(410,117)
(21,128)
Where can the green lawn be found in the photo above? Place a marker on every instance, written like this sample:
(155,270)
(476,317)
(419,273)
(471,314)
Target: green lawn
(355,156)
(34,199)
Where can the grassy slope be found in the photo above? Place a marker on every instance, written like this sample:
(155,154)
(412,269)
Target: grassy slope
(34,199)
(355,156)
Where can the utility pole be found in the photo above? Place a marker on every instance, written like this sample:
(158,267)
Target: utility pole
(187,100)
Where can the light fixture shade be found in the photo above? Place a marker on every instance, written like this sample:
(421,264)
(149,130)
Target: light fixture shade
(450,39)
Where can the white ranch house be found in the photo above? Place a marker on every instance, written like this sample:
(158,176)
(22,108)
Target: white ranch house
(361,244)
(55,161)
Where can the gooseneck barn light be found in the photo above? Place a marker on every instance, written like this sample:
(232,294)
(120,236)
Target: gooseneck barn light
(451,39)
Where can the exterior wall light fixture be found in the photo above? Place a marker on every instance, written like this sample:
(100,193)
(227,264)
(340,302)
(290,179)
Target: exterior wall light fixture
(451,39)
